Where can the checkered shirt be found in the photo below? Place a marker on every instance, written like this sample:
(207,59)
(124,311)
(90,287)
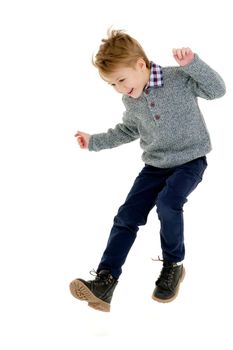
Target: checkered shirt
(156,76)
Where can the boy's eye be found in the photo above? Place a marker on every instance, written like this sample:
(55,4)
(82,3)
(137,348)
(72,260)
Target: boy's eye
(120,81)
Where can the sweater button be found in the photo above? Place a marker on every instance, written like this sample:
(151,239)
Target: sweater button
(157,117)
(152,104)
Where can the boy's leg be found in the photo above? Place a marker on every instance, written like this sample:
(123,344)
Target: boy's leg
(140,200)
(132,214)
(170,201)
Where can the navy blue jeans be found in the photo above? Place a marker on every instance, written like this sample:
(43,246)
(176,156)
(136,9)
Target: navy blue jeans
(168,189)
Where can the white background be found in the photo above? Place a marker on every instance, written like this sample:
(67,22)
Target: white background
(58,202)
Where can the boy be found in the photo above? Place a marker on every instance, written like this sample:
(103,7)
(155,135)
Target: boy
(161,109)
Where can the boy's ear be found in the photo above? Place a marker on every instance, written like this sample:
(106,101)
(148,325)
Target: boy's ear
(141,64)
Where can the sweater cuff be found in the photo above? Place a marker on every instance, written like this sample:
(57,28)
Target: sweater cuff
(192,64)
(91,144)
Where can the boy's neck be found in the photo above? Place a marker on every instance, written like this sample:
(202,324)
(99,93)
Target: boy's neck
(147,76)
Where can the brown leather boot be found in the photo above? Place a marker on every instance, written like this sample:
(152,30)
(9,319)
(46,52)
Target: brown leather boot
(98,292)
(168,283)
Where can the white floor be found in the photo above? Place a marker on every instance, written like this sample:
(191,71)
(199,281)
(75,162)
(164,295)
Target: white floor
(58,202)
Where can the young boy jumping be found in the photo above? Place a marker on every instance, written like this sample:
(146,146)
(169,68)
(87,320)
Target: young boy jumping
(161,109)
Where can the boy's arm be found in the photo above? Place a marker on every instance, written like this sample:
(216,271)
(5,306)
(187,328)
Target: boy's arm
(204,81)
(122,133)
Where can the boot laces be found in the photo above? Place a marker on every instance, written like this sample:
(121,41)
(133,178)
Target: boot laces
(101,278)
(166,274)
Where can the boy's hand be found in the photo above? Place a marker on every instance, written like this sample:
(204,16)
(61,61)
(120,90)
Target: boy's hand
(183,56)
(82,139)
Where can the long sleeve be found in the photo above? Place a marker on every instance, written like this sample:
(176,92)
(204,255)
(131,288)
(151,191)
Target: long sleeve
(203,80)
(122,133)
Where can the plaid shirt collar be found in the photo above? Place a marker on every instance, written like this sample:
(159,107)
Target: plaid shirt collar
(156,76)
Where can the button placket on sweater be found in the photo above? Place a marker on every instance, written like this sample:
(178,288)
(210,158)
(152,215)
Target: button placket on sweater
(152,107)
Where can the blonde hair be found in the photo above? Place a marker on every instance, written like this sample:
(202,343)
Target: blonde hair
(118,50)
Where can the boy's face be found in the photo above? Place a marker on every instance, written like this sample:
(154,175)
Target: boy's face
(129,80)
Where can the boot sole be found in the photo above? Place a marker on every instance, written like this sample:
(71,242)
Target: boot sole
(176,294)
(80,291)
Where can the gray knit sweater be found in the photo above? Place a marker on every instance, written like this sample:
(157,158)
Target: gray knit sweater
(167,119)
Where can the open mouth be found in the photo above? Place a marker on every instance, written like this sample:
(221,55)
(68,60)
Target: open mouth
(130,92)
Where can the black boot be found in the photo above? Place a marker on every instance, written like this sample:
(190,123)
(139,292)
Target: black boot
(98,293)
(167,285)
